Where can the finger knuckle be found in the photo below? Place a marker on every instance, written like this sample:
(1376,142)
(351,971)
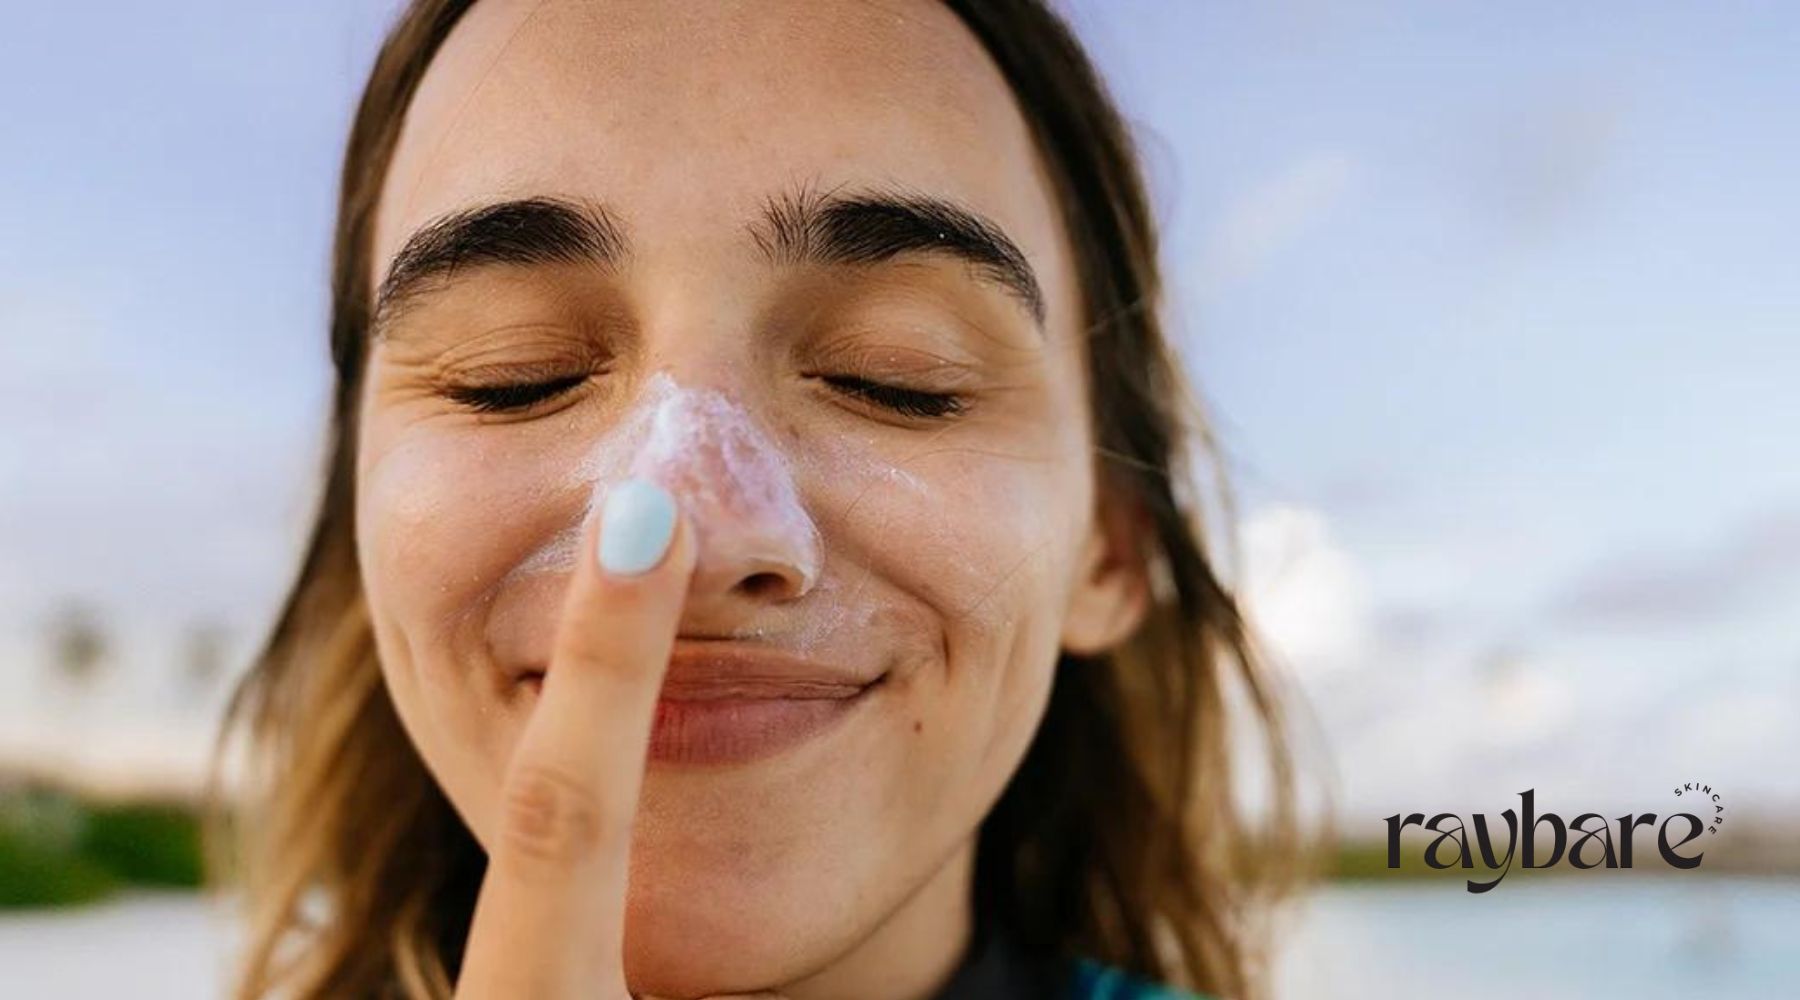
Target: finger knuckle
(551,817)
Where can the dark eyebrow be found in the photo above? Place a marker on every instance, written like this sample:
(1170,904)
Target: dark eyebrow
(806,226)
(524,232)
(797,227)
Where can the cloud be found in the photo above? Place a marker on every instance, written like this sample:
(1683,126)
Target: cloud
(1423,707)
(1522,698)
(1639,589)
(1536,163)
(1272,216)
(1739,733)
(1303,592)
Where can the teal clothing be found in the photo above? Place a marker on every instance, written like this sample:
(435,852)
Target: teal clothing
(1092,980)
(997,967)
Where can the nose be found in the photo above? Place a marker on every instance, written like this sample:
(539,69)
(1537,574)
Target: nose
(756,542)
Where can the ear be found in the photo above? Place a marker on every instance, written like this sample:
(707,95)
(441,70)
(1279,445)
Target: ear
(1111,594)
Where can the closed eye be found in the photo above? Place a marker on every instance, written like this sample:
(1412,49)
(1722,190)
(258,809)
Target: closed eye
(514,396)
(517,396)
(909,402)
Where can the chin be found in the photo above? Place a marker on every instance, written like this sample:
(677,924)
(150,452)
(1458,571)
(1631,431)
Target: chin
(703,943)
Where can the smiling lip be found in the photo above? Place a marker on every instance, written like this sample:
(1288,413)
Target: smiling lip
(729,703)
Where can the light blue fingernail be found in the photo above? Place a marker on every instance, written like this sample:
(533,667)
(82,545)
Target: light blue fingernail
(635,527)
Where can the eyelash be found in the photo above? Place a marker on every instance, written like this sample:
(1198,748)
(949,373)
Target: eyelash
(512,397)
(519,396)
(907,402)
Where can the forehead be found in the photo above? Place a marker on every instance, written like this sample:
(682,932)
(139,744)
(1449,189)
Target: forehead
(685,118)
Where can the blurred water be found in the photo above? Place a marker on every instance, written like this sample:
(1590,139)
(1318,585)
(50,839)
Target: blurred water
(147,945)
(1646,939)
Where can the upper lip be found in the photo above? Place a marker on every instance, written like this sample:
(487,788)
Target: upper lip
(718,669)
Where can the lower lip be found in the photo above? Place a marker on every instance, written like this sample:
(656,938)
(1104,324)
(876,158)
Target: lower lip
(739,730)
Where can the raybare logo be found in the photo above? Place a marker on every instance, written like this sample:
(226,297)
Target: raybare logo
(1595,846)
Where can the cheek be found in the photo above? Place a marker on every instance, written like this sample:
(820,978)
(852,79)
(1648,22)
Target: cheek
(434,514)
(442,517)
(987,542)
(985,539)
(981,536)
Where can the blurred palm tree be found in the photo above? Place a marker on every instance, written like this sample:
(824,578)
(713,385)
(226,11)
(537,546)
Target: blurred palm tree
(204,648)
(79,646)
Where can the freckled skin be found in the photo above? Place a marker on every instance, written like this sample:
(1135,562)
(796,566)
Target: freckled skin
(959,555)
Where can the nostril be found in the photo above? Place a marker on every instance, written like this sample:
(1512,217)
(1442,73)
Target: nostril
(764,585)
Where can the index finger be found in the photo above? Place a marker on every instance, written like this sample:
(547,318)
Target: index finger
(549,920)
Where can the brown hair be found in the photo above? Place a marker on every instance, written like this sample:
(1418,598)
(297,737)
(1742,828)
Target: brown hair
(1121,838)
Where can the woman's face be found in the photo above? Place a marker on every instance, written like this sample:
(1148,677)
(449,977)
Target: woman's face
(799,262)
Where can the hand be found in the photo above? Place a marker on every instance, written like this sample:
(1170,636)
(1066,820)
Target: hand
(549,923)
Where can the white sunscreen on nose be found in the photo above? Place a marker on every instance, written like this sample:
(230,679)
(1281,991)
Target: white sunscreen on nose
(733,482)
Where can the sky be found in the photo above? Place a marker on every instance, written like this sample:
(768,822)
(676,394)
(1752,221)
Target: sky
(1496,308)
